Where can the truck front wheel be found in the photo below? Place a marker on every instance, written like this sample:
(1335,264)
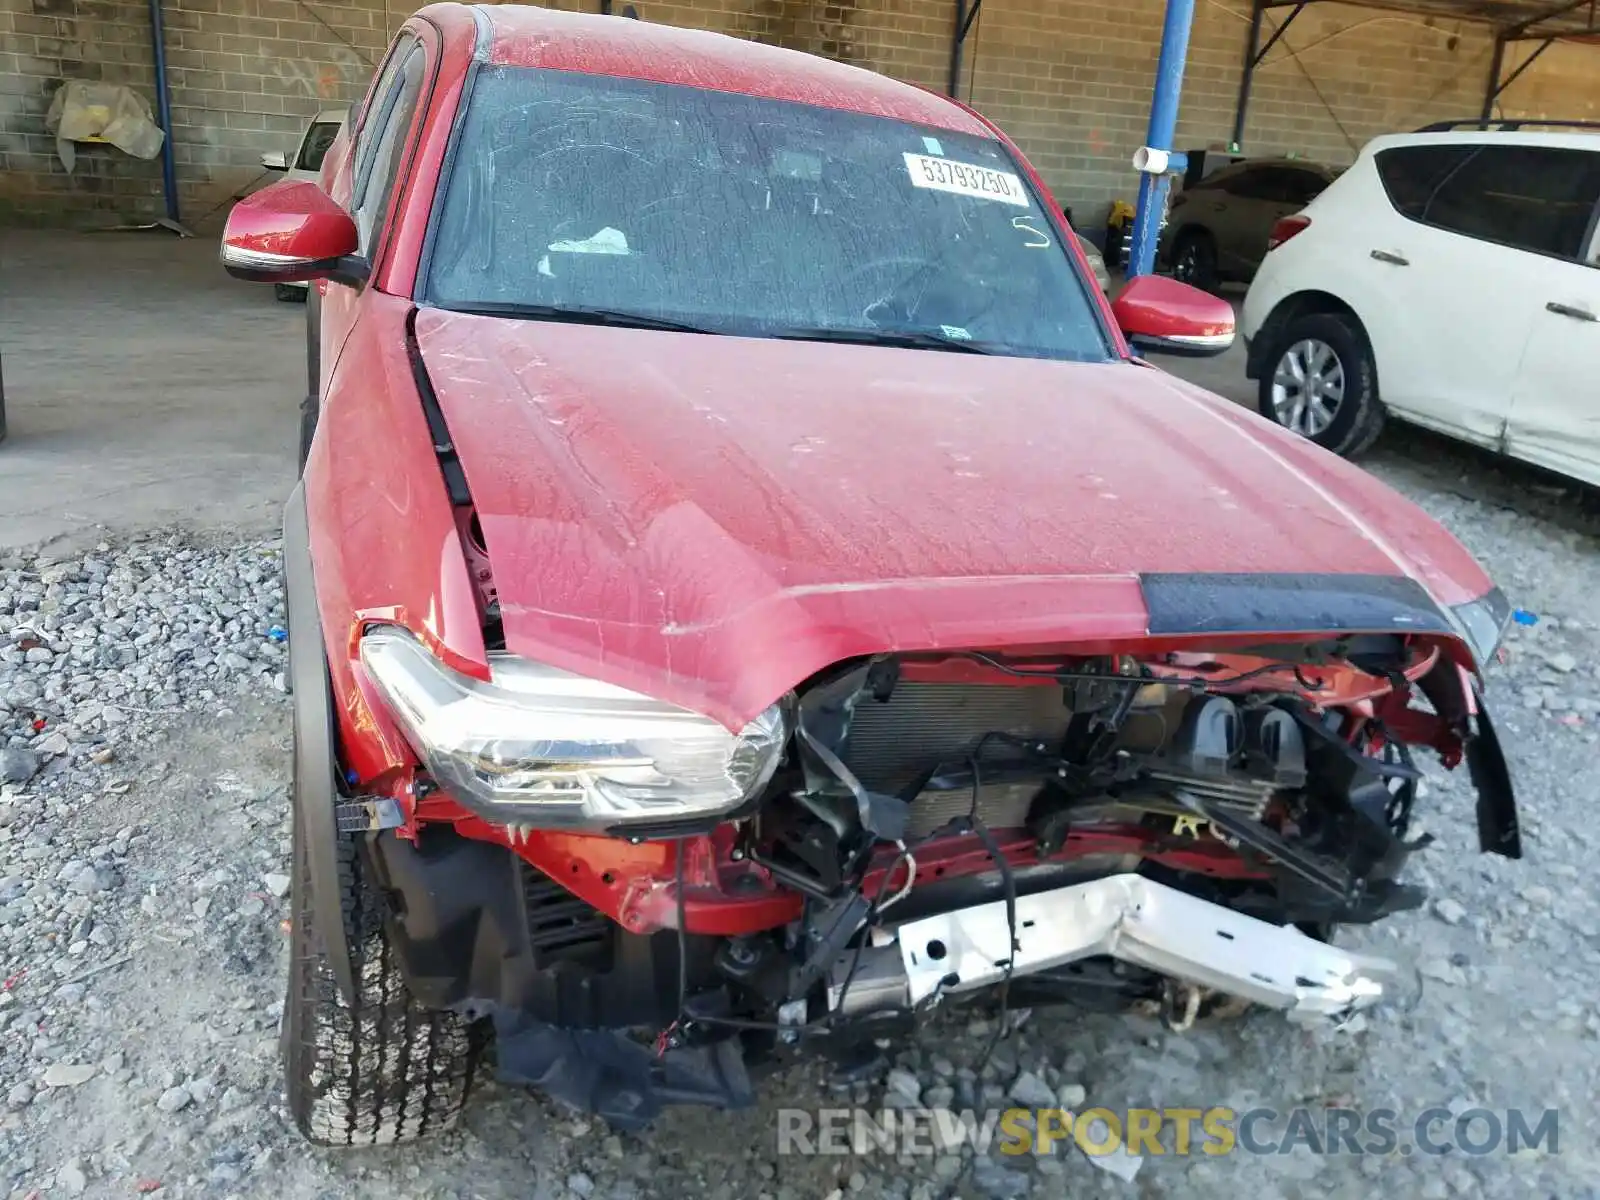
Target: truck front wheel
(380,1070)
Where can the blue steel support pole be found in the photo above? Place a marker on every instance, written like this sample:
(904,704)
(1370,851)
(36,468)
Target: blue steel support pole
(1163,128)
(169,169)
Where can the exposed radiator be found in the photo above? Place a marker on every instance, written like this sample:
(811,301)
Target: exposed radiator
(1000,806)
(894,742)
(922,725)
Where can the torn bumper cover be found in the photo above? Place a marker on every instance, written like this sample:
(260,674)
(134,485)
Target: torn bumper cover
(1146,924)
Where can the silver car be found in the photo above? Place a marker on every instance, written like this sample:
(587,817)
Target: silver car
(1097,262)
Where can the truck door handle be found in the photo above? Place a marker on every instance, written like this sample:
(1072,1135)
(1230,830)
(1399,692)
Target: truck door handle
(1570,310)
(1394,260)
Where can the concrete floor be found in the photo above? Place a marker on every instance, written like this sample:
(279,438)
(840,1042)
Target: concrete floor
(143,386)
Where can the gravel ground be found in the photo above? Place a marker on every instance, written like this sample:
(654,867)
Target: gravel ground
(143,851)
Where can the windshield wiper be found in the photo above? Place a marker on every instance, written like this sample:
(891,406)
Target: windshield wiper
(909,339)
(576,316)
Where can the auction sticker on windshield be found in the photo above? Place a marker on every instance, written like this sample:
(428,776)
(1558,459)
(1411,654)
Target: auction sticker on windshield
(964,179)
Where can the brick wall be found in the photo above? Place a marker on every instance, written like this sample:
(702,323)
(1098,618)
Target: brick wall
(245,75)
(1069,79)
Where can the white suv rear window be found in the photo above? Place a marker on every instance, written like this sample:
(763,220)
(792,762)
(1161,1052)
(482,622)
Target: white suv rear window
(1536,198)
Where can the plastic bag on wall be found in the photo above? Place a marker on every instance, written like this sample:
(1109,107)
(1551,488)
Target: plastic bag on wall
(81,111)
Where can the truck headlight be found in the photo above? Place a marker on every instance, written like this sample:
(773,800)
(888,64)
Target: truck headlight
(1482,624)
(543,748)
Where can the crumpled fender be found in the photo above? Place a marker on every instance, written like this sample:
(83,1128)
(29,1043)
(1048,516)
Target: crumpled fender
(1464,729)
(1499,831)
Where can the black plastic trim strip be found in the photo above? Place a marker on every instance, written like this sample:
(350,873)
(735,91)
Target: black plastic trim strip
(316,790)
(1499,828)
(398,49)
(421,289)
(1203,602)
(455,478)
(432,63)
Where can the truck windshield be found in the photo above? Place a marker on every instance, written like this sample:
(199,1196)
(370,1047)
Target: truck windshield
(579,196)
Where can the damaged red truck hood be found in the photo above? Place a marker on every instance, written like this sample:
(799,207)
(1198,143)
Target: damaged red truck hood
(711,520)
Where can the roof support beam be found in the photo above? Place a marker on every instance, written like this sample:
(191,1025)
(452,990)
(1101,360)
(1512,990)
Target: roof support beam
(1497,63)
(972,15)
(1501,85)
(1254,55)
(964,18)
(1572,21)
(1280,31)
(1241,109)
(169,170)
(1521,31)
(1535,26)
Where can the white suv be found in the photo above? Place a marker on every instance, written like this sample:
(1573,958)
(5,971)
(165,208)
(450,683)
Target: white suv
(1451,279)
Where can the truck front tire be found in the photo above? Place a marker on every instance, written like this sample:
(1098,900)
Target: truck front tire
(379,1070)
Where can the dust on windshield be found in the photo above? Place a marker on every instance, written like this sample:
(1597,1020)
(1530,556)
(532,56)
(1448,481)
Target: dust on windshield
(747,216)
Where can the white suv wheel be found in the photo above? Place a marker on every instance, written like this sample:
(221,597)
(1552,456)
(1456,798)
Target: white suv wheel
(1307,387)
(1318,381)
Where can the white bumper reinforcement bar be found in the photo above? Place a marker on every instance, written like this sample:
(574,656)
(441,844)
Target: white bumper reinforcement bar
(1150,925)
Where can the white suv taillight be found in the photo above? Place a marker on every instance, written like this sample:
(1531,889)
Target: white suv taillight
(1286,228)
